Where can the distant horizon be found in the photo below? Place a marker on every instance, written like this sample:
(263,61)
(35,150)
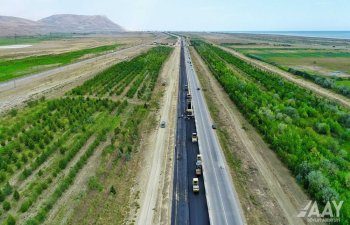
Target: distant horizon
(334,34)
(161,30)
(313,34)
(197,15)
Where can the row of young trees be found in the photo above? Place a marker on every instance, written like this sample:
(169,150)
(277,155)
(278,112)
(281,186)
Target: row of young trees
(310,134)
(34,132)
(329,83)
(80,118)
(68,180)
(34,189)
(114,80)
(58,129)
(126,134)
(326,82)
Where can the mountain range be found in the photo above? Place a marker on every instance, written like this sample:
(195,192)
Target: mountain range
(61,23)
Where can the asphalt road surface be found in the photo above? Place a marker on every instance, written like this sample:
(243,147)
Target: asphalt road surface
(223,205)
(187,208)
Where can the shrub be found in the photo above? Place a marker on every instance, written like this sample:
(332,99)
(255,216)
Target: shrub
(13,112)
(2,196)
(112,190)
(6,205)
(93,184)
(25,205)
(7,189)
(322,128)
(10,220)
(16,195)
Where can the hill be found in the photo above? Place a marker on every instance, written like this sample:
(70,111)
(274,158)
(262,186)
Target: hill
(69,23)
(62,23)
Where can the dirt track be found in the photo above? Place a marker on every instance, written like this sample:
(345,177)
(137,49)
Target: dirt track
(266,179)
(299,81)
(75,43)
(154,182)
(59,81)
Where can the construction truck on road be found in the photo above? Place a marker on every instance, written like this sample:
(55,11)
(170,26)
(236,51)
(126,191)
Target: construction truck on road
(189,109)
(195,185)
(198,170)
(188,95)
(199,165)
(194,137)
(199,159)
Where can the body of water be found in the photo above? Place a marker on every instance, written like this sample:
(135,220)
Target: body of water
(319,34)
(14,46)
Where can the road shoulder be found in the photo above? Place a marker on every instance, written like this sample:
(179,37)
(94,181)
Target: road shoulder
(154,182)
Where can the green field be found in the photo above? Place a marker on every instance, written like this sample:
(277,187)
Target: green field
(322,62)
(30,39)
(345,83)
(327,68)
(11,69)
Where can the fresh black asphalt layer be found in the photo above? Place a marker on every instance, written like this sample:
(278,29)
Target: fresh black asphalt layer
(188,208)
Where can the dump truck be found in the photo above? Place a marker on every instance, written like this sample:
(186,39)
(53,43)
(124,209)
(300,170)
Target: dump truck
(198,170)
(199,158)
(195,184)
(189,110)
(189,96)
(194,137)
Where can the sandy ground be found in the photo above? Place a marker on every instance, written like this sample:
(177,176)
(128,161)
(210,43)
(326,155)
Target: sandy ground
(299,81)
(58,81)
(268,181)
(154,181)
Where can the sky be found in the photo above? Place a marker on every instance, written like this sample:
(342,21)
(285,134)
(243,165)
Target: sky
(196,15)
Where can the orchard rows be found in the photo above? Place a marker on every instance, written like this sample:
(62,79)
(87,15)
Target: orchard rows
(45,145)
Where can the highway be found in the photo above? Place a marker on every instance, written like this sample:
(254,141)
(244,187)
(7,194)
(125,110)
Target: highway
(222,200)
(187,208)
